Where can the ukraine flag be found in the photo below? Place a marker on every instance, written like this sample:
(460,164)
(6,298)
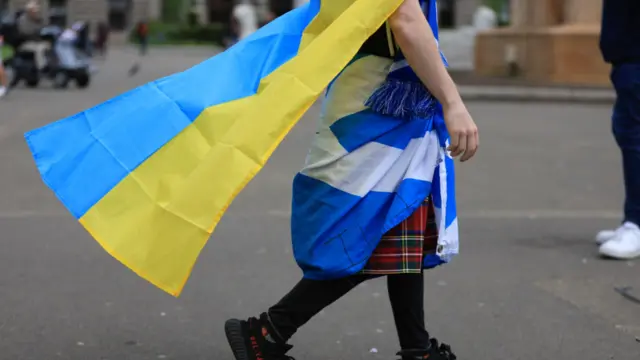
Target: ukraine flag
(150,173)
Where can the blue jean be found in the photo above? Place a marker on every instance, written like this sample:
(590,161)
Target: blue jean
(626,130)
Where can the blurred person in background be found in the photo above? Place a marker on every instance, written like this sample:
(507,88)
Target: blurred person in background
(102,38)
(29,25)
(244,19)
(4,83)
(142,33)
(620,46)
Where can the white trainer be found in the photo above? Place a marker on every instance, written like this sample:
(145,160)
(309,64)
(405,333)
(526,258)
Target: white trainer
(3,91)
(625,244)
(606,235)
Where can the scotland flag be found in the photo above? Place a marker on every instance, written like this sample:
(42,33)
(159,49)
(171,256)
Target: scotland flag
(366,173)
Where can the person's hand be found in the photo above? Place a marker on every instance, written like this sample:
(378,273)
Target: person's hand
(462,130)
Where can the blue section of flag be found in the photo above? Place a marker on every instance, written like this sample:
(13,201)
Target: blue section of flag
(451,213)
(432,260)
(334,233)
(355,130)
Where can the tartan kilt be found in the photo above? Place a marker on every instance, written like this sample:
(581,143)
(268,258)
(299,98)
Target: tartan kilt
(402,249)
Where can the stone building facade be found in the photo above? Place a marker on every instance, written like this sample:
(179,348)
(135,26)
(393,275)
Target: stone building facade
(548,41)
(456,13)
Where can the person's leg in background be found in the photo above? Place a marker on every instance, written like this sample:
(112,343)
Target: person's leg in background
(143,45)
(4,82)
(625,242)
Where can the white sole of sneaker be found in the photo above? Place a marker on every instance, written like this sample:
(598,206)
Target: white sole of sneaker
(620,255)
(605,236)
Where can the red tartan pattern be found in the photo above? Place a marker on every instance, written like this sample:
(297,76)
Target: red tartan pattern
(402,248)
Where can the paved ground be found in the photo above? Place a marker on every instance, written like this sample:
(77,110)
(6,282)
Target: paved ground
(528,284)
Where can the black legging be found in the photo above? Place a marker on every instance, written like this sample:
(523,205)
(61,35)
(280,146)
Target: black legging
(309,297)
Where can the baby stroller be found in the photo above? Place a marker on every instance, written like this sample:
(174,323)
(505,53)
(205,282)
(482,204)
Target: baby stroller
(71,57)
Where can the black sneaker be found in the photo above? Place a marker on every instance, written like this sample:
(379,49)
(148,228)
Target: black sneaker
(435,352)
(250,340)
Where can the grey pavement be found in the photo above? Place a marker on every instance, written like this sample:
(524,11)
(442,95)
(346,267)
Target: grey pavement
(528,284)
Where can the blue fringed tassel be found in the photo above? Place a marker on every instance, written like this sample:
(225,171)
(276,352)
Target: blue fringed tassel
(402,99)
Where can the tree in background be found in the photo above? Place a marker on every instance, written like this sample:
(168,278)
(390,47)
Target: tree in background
(172,10)
(502,8)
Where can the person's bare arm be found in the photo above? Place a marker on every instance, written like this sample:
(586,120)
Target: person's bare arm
(415,38)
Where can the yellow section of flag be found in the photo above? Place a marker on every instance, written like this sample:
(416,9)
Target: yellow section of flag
(159,217)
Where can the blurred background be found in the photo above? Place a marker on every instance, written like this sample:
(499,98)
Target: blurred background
(529,283)
(540,41)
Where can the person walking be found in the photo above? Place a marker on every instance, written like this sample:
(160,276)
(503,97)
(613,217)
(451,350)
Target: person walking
(620,46)
(391,117)
(102,38)
(142,32)
(29,25)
